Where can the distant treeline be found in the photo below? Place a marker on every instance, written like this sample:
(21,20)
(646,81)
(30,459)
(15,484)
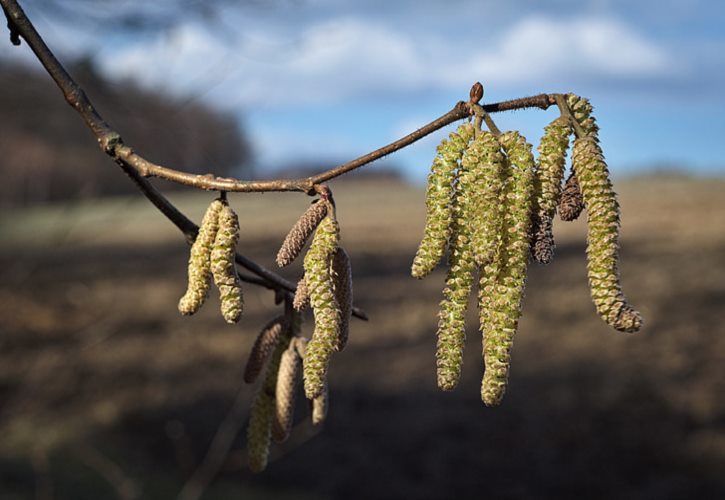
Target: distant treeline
(47,154)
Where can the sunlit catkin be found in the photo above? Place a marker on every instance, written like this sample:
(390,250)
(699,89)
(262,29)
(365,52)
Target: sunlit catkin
(285,393)
(462,265)
(342,281)
(318,262)
(439,197)
(300,232)
(200,261)
(582,109)
(320,405)
(571,203)
(262,348)
(602,236)
(485,160)
(223,268)
(503,281)
(547,183)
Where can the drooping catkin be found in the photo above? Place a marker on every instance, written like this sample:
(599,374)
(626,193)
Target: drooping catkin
(582,109)
(199,261)
(262,348)
(302,295)
(263,410)
(223,268)
(342,282)
(300,232)
(602,236)
(320,405)
(571,203)
(462,265)
(318,262)
(485,160)
(503,281)
(547,184)
(439,197)
(285,393)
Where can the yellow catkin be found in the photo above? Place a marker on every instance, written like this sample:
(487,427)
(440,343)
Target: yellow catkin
(439,198)
(285,393)
(342,281)
(223,267)
(318,275)
(262,348)
(462,266)
(602,236)
(503,280)
(200,261)
(547,184)
(297,236)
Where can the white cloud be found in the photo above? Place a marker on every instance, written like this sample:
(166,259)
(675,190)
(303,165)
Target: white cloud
(347,57)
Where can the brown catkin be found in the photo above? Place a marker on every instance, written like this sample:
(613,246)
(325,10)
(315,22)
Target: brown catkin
(287,378)
(200,261)
(262,348)
(297,236)
(223,267)
(602,236)
(342,282)
(302,295)
(262,414)
(571,203)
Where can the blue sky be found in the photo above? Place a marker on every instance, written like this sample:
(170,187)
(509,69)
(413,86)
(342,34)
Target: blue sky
(323,79)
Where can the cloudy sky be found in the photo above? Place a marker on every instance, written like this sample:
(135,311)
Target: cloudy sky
(326,79)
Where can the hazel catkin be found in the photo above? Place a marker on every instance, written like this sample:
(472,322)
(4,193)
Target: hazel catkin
(263,346)
(438,201)
(199,261)
(342,283)
(317,264)
(503,281)
(300,232)
(547,184)
(571,203)
(602,236)
(223,267)
(285,393)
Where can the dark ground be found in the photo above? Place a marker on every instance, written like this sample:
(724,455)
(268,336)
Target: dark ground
(106,392)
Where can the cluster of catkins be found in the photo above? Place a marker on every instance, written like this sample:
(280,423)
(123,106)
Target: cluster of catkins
(490,204)
(327,287)
(212,255)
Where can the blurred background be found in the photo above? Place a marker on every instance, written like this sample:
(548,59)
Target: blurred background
(106,392)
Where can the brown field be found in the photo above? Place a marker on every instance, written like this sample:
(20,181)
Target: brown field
(106,392)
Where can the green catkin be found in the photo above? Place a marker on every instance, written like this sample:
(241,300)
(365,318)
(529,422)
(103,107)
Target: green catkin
(547,184)
(462,266)
(320,405)
(485,160)
(439,197)
(199,261)
(502,281)
(262,414)
(318,276)
(602,236)
(223,267)
(581,110)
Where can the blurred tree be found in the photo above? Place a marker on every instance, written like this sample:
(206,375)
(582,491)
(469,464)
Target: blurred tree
(47,155)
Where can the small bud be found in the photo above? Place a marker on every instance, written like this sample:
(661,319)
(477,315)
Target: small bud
(476,93)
